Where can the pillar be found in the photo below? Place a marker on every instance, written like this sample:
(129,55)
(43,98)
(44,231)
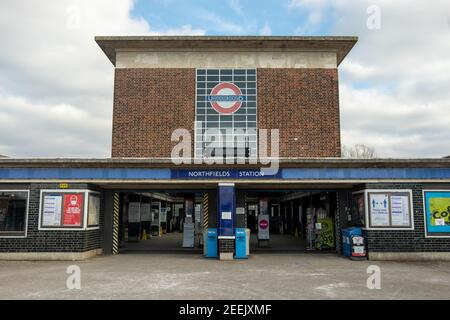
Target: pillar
(226,220)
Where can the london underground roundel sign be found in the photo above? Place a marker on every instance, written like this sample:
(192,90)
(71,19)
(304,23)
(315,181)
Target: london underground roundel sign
(226,97)
(263,224)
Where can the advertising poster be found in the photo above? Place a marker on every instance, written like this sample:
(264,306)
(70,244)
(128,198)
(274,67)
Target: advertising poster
(163,215)
(146,213)
(94,210)
(379,210)
(134,212)
(51,210)
(437,211)
(263,227)
(325,238)
(264,206)
(400,214)
(73,209)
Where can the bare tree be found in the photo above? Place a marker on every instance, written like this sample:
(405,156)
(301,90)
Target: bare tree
(359,151)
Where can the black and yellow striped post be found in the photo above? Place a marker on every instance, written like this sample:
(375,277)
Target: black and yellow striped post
(115,247)
(205,211)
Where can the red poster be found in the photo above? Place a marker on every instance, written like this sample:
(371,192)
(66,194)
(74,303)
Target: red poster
(73,209)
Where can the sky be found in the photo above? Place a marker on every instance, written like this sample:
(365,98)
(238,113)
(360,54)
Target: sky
(56,85)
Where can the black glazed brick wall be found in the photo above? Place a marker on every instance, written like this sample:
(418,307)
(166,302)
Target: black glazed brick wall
(406,240)
(52,240)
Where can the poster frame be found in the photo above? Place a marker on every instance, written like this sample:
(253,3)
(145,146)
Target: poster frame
(84,218)
(387,228)
(425,220)
(88,195)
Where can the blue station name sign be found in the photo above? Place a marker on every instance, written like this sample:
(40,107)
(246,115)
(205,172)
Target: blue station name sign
(222,174)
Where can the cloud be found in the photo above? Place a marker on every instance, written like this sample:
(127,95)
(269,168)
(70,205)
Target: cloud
(394,84)
(295,4)
(56,83)
(184,30)
(236,6)
(265,30)
(219,23)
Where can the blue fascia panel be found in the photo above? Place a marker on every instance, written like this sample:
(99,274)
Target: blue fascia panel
(166,174)
(365,173)
(84,173)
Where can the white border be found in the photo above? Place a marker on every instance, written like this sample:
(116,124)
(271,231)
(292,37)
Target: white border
(366,204)
(85,205)
(26,214)
(425,221)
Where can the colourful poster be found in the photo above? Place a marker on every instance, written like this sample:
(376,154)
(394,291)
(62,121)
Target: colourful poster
(379,210)
(73,209)
(325,237)
(437,212)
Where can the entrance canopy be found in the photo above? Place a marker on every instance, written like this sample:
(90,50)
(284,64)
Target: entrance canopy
(136,172)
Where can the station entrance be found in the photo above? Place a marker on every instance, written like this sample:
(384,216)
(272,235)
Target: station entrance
(291,220)
(177,221)
(161,221)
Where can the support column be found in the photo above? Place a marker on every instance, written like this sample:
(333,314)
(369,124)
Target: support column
(111,222)
(211,246)
(115,234)
(205,211)
(241,217)
(226,220)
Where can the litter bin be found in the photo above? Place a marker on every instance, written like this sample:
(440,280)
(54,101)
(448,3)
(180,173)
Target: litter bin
(358,247)
(211,243)
(240,244)
(353,244)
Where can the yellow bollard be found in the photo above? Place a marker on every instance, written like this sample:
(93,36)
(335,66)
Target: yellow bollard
(144,235)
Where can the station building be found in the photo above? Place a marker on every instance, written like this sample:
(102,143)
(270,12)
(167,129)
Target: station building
(220,98)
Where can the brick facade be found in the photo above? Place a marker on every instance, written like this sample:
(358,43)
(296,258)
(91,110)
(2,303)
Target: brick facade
(150,103)
(304,105)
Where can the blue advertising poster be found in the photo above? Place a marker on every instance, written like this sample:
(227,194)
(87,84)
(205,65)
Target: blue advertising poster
(437,213)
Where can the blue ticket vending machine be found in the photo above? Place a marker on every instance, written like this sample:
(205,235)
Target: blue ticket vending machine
(240,244)
(211,243)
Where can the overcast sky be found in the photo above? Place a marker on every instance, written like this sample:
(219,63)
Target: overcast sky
(56,85)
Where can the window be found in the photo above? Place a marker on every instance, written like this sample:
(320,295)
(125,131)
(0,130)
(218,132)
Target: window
(13,213)
(359,208)
(94,210)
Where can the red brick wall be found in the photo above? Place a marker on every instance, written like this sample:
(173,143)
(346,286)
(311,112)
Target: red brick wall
(150,103)
(302,104)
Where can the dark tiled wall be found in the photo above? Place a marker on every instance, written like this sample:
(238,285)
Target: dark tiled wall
(52,240)
(407,240)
